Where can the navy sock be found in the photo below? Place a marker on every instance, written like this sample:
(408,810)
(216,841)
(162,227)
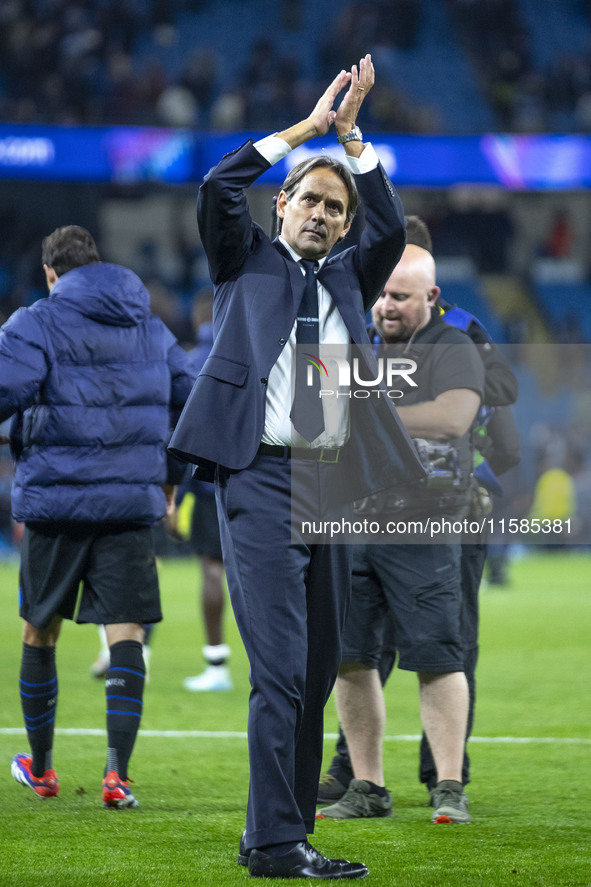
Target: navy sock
(380,790)
(124,686)
(38,692)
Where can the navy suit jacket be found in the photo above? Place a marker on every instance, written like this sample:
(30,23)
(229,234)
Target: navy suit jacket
(258,290)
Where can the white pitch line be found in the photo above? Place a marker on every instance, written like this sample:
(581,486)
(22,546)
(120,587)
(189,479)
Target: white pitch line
(231,734)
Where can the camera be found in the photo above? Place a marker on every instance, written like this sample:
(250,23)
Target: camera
(442,464)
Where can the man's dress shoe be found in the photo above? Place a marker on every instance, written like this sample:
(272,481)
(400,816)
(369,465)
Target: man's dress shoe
(243,853)
(302,862)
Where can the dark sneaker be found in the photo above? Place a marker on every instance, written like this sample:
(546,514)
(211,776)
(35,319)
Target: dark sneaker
(450,803)
(116,792)
(46,786)
(358,802)
(330,789)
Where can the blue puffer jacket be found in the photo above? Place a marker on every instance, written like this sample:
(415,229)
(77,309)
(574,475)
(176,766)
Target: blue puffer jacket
(95,376)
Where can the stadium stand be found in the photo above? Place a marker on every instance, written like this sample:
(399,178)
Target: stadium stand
(514,305)
(562,63)
(532,59)
(431,55)
(254,65)
(460,285)
(564,303)
(567,21)
(237,64)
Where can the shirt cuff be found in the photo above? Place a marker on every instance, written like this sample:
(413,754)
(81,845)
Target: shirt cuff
(273,148)
(367,160)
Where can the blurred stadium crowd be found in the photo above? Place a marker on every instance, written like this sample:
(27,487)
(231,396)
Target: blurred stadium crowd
(526,64)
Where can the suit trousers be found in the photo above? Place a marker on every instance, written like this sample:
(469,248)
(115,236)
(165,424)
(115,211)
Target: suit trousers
(290,602)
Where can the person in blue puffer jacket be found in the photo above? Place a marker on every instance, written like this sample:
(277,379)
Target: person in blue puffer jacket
(94,382)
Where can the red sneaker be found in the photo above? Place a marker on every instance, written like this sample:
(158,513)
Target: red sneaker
(116,792)
(46,786)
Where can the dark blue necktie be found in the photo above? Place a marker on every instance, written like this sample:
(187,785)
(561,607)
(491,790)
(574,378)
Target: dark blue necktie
(306,410)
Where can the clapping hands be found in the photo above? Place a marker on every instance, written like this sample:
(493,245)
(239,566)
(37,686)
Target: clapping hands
(360,81)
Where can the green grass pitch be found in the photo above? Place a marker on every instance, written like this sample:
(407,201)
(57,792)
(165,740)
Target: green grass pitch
(531,756)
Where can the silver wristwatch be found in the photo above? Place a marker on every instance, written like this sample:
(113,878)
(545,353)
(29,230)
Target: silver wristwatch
(354,135)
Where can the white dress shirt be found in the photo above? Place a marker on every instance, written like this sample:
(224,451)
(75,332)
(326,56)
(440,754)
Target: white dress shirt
(331,332)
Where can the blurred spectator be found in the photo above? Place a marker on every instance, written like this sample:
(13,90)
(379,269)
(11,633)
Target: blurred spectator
(403,18)
(177,106)
(477,224)
(200,75)
(228,112)
(269,83)
(559,243)
(76,62)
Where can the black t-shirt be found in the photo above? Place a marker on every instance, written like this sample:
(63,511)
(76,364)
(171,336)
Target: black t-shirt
(446,359)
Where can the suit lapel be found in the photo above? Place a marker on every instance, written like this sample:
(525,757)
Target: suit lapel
(296,278)
(335,278)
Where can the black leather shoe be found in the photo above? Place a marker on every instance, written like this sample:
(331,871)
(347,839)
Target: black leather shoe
(302,862)
(243,853)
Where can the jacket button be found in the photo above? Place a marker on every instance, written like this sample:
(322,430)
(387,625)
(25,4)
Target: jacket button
(264,380)
(282,341)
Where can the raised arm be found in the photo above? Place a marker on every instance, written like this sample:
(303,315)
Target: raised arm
(226,228)
(346,116)
(223,216)
(323,115)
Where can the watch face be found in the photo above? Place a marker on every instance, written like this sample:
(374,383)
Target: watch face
(354,134)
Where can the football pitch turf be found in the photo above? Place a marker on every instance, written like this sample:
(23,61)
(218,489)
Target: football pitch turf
(531,756)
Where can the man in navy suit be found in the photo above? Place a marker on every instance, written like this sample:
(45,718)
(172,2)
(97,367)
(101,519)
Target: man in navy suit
(239,426)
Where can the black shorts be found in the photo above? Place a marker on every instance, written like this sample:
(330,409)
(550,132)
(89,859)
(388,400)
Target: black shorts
(115,563)
(415,588)
(205,528)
